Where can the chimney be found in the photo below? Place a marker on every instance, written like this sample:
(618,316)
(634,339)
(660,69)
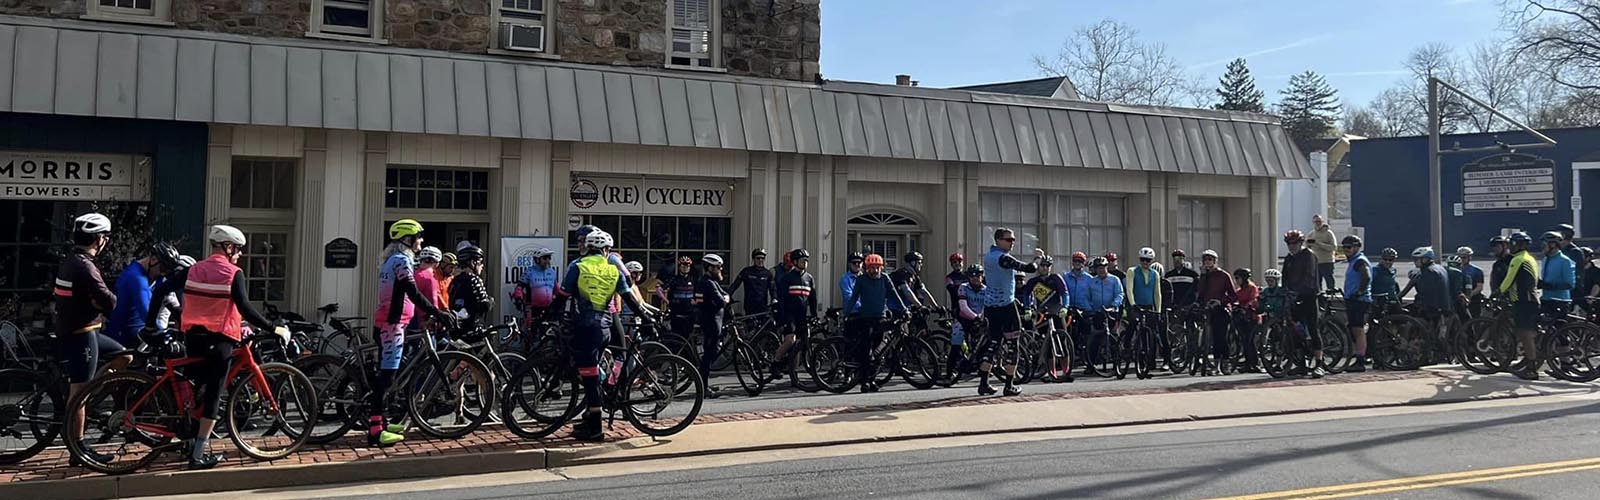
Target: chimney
(902,80)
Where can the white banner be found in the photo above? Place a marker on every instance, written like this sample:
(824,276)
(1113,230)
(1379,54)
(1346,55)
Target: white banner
(638,196)
(516,257)
(39,175)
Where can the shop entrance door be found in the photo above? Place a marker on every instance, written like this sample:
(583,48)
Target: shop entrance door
(890,246)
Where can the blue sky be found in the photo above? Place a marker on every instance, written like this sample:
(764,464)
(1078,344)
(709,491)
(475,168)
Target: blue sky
(1359,45)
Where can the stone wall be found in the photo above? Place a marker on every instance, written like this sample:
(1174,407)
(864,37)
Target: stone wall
(453,25)
(777,39)
(43,8)
(268,18)
(614,32)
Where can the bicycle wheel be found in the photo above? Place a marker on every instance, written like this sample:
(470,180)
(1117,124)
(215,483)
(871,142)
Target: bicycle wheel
(31,409)
(341,396)
(1144,354)
(1271,350)
(1573,351)
(271,420)
(919,366)
(1336,345)
(940,343)
(830,364)
(651,402)
(452,397)
(1399,342)
(748,370)
(678,346)
(534,405)
(114,409)
(1178,356)
(1486,347)
(764,350)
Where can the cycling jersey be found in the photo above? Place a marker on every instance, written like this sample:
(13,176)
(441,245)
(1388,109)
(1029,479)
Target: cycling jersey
(952,286)
(133,304)
(758,287)
(1300,274)
(709,298)
(1358,278)
(1103,293)
(428,286)
(81,295)
(1217,285)
(847,289)
(541,283)
(600,282)
(1048,291)
(397,268)
(469,299)
(797,297)
(873,297)
(1077,293)
(1383,283)
(1183,285)
(679,289)
(1249,297)
(1459,284)
(998,270)
(907,283)
(971,301)
(1433,283)
(1144,287)
(1560,276)
(1274,301)
(1474,276)
(1497,273)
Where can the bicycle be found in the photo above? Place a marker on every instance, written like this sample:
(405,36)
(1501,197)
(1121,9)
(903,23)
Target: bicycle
(36,392)
(1111,355)
(1284,347)
(641,387)
(833,363)
(1143,322)
(146,410)
(752,366)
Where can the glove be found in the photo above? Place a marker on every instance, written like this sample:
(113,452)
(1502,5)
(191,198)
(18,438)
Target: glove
(147,331)
(447,320)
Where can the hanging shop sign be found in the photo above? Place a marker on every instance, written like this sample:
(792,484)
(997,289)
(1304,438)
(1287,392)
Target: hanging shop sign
(41,175)
(629,196)
(340,253)
(1508,181)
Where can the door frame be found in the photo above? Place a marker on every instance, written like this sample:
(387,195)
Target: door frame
(1577,190)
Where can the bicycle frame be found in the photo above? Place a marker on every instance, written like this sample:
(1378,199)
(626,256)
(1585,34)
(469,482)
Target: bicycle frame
(243,361)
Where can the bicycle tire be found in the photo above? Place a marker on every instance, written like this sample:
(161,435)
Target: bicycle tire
(1486,348)
(763,348)
(341,396)
(1572,352)
(657,379)
(744,368)
(830,366)
(919,366)
(1337,345)
(22,414)
(1178,360)
(424,401)
(1399,343)
(1144,351)
(161,405)
(524,393)
(1270,350)
(298,396)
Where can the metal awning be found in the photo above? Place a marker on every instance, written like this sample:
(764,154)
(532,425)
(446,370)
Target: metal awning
(97,69)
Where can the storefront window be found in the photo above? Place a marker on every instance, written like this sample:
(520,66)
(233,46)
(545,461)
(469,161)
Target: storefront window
(266,266)
(1018,211)
(262,184)
(436,188)
(1200,225)
(657,241)
(26,264)
(1089,224)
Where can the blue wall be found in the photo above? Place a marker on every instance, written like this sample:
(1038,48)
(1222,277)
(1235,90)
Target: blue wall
(1389,189)
(177,151)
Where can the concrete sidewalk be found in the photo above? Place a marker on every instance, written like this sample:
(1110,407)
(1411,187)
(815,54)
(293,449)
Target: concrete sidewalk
(833,426)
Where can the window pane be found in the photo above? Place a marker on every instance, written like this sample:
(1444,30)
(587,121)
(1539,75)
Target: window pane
(463,200)
(391,198)
(719,234)
(663,232)
(691,232)
(408,199)
(347,17)
(632,234)
(408,178)
(480,200)
(425,199)
(608,223)
(239,191)
(445,200)
(480,181)
(391,177)
(283,185)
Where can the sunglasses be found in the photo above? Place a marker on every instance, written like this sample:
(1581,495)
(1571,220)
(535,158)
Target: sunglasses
(1147,260)
(1008,239)
(1388,260)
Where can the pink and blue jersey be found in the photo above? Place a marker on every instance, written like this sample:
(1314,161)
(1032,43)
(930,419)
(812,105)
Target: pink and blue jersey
(397,268)
(541,285)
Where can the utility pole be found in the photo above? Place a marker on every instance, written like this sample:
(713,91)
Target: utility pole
(1435,180)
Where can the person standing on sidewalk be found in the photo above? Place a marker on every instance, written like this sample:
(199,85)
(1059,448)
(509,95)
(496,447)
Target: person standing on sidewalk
(710,305)
(1357,297)
(956,278)
(1559,276)
(1569,247)
(678,290)
(1300,277)
(1475,277)
(1518,285)
(1246,318)
(594,279)
(1217,292)
(797,301)
(847,282)
(870,302)
(1000,306)
(1182,278)
(757,282)
(1500,248)
(1322,245)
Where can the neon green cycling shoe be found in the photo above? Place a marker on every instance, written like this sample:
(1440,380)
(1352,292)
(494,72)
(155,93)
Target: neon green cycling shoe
(385,438)
(395,429)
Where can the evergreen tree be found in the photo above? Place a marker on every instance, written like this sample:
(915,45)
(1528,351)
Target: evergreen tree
(1309,108)
(1238,91)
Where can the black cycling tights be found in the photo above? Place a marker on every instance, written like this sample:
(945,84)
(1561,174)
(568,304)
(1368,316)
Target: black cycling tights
(217,351)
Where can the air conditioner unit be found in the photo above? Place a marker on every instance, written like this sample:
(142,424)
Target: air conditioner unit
(522,37)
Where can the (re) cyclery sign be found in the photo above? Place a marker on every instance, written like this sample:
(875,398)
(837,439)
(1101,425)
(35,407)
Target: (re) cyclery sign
(1508,181)
(34,175)
(605,195)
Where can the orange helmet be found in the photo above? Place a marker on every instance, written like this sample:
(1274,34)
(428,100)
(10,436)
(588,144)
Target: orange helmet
(874,260)
(1080,257)
(1294,236)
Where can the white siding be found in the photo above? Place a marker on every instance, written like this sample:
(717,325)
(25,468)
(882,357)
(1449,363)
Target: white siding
(908,198)
(887,170)
(270,142)
(1062,179)
(651,160)
(444,151)
(342,211)
(535,188)
(1214,186)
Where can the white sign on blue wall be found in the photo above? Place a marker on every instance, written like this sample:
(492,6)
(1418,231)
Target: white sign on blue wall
(1508,181)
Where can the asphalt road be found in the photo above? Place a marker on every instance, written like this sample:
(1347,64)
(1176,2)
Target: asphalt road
(1200,463)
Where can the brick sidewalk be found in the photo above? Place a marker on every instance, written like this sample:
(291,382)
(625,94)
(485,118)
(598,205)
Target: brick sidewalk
(52,463)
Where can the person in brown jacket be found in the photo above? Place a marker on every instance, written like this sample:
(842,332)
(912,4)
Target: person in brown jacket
(1218,292)
(1322,242)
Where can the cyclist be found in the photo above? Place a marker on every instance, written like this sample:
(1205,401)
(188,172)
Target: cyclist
(596,278)
(1077,300)
(954,280)
(1000,306)
(1182,278)
(1589,274)
(1246,318)
(1475,278)
(170,309)
(798,302)
(133,293)
(1568,247)
(1385,290)
(1103,299)
(847,282)
(446,273)
(1500,247)
(427,275)
(1024,299)
(1217,291)
(871,300)
(538,285)
(1111,266)
(469,297)
(969,308)
(1432,282)
(1460,286)
(1049,294)
(398,300)
(215,304)
(1300,277)
(678,291)
(908,282)
(757,281)
(1558,277)
(1144,290)
(710,302)
(1521,278)
(81,301)
(1357,297)
(1274,299)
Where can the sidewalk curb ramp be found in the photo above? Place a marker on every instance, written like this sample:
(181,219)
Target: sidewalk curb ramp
(263,476)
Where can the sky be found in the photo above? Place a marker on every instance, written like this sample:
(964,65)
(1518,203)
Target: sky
(1359,45)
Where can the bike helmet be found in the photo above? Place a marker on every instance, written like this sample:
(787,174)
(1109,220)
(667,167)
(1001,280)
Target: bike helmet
(584,230)
(1588,253)
(712,259)
(1047,261)
(542,252)
(1208,254)
(1294,236)
(973,271)
(912,257)
(598,240)
(165,254)
(685,260)
(1566,228)
(1243,273)
(429,254)
(1179,253)
(1390,253)
(855,257)
(758,253)
(1019,275)
(403,228)
(1520,237)
(634,266)
(226,234)
(1423,253)
(1452,260)
(1350,241)
(1098,262)
(1272,274)
(957,257)
(1498,240)
(448,258)
(799,253)
(184,261)
(874,260)
(470,254)
(91,223)
(1147,253)
(1550,236)
(1079,257)
(1111,257)
(1466,251)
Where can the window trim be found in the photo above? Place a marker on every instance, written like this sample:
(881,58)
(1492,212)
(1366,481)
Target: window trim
(496,44)
(714,39)
(375,24)
(1186,232)
(160,13)
(290,241)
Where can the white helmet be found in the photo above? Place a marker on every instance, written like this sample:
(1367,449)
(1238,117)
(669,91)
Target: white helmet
(430,254)
(1208,253)
(598,239)
(184,261)
(1466,251)
(1147,253)
(712,259)
(1273,274)
(542,252)
(226,234)
(91,223)
(634,266)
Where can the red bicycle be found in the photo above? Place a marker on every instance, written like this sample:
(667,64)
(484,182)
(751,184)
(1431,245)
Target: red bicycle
(131,417)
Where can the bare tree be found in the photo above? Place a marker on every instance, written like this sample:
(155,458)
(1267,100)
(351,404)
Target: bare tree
(1494,76)
(1435,60)
(1562,38)
(1394,111)
(1359,120)
(1108,63)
